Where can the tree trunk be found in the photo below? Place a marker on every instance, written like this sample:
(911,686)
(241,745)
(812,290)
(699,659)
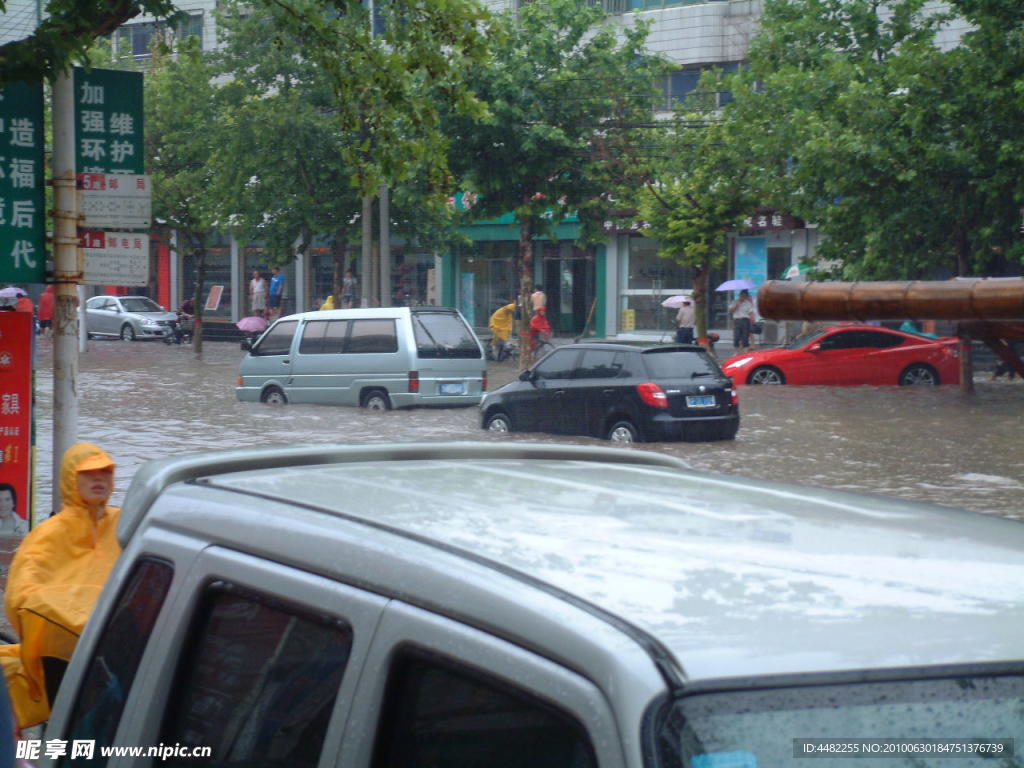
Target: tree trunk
(199,248)
(700,302)
(525,289)
(339,249)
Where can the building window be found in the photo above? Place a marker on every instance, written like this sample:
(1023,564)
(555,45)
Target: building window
(135,39)
(681,86)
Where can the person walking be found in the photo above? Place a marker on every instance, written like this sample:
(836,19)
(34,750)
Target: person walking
(686,319)
(45,312)
(55,578)
(743,312)
(275,294)
(349,284)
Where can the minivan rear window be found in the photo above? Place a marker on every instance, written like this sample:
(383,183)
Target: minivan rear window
(372,336)
(444,334)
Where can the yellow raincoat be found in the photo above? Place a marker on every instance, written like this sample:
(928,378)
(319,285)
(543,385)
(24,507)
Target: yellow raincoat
(328,302)
(501,322)
(55,578)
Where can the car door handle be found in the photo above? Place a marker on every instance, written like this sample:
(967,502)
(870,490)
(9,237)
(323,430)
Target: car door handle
(609,391)
(285,362)
(559,391)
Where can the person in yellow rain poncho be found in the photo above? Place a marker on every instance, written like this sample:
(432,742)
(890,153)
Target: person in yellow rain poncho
(57,574)
(501,328)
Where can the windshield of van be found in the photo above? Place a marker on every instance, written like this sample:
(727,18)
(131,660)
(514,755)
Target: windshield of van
(444,334)
(956,722)
(674,364)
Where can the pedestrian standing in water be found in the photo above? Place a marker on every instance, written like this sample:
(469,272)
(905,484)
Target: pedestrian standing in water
(57,574)
(742,316)
(258,294)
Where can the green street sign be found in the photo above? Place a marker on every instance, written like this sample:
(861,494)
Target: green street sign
(108,121)
(22,200)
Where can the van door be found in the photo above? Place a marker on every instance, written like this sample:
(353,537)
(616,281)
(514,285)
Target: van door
(449,357)
(269,362)
(318,368)
(257,665)
(438,692)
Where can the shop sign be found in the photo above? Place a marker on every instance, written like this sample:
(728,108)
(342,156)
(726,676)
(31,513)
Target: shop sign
(22,201)
(771,221)
(16,335)
(115,258)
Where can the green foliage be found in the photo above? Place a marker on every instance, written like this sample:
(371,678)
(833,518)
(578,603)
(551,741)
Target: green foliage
(66,33)
(897,148)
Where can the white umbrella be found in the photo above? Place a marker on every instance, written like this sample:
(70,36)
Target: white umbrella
(736,285)
(675,302)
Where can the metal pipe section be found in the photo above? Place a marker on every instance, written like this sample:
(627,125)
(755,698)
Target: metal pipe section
(981,298)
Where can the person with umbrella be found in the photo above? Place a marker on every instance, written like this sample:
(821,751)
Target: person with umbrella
(743,312)
(686,319)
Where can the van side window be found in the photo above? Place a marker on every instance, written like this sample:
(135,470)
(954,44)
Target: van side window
(373,336)
(437,712)
(115,661)
(323,337)
(278,340)
(258,683)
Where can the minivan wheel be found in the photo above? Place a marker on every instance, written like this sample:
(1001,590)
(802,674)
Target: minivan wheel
(623,432)
(273,396)
(376,400)
(127,333)
(498,422)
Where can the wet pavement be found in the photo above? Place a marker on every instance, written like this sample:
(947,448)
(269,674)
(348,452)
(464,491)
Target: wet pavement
(148,400)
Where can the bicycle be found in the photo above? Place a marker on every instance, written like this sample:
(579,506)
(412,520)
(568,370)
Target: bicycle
(540,343)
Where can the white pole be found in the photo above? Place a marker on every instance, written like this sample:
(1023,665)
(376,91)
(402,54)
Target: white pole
(67,274)
(385,247)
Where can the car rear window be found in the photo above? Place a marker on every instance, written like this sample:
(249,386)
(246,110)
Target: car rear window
(677,364)
(883,724)
(444,335)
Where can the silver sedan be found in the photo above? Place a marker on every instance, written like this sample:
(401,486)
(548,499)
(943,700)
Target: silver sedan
(127,317)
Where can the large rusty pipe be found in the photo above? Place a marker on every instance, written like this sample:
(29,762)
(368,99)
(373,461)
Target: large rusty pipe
(983,298)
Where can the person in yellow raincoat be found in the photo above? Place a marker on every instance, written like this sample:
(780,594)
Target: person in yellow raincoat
(501,328)
(57,574)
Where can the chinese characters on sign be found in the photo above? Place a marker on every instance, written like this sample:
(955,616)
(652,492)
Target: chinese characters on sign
(22,214)
(108,121)
(115,200)
(16,330)
(115,258)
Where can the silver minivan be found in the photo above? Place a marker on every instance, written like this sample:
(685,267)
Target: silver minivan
(376,358)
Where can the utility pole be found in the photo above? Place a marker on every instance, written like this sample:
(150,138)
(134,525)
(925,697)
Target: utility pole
(67,274)
(367,252)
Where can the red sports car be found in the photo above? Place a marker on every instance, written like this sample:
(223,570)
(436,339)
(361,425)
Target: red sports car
(851,355)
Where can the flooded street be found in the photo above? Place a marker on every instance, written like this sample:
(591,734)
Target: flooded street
(141,401)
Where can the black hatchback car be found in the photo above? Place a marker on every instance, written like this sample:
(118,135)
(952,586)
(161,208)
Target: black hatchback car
(621,392)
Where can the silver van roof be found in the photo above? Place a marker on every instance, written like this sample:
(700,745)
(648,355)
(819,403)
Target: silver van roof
(735,577)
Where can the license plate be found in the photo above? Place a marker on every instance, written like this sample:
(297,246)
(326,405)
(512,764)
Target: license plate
(453,388)
(700,401)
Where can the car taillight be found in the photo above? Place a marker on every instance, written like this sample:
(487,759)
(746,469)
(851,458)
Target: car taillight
(414,381)
(734,396)
(652,394)
(483,384)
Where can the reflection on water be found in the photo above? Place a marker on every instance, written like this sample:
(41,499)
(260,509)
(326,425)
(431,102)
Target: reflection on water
(148,400)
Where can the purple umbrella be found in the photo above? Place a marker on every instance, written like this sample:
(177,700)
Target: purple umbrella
(252,324)
(11,292)
(736,285)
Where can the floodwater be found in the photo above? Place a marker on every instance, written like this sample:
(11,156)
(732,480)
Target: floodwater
(147,400)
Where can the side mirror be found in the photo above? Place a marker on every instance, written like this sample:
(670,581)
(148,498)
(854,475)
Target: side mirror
(526,376)
(246,344)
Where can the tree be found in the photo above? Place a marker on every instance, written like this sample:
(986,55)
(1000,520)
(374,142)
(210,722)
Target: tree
(880,136)
(182,130)
(563,96)
(66,33)
(701,185)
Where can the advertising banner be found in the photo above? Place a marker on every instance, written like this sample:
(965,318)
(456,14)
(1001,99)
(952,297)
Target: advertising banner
(16,335)
(116,201)
(22,201)
(752,259)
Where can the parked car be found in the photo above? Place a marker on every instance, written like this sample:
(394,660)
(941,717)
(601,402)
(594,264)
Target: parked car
(851,355)
(376,358)
(127,317)
(621,392)
(540,606)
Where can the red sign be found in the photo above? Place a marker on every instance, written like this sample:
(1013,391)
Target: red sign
(15,420)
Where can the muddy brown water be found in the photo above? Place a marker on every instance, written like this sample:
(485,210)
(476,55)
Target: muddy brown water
(148,400)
